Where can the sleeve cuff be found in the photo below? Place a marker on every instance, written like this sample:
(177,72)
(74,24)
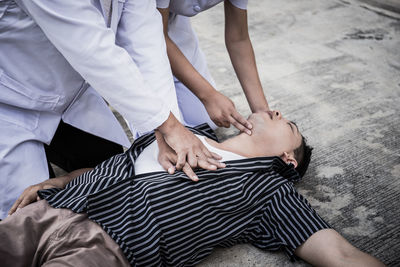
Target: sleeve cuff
(242,4)
(163,3)
(152,123)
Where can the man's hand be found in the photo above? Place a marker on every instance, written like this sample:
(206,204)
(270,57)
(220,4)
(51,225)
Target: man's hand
(30,194)
(179,147)
(223,113)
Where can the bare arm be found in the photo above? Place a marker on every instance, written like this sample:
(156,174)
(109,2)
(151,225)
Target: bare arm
(328,248)
(30,194)
(221,109)
(241,52)
(181,67)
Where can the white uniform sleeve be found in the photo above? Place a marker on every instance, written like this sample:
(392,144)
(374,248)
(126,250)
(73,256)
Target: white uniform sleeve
(140,33)
(242,4)
(163,3)
(77,30)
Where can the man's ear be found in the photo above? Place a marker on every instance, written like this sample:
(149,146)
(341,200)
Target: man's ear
(289,158)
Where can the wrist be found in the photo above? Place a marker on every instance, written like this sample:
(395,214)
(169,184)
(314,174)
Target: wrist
(260,107)
(206,94)
(159,138)
(59,182)
(169,125)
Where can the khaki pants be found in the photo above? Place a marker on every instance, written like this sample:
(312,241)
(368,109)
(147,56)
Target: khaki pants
(39,235)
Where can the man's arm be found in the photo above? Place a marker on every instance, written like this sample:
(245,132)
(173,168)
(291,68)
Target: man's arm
(241,52)
(30,194)
(328,248)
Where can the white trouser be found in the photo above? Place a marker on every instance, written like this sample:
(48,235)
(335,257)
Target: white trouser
(22,163)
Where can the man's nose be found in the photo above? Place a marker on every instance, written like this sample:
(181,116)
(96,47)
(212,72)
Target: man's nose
(277,114)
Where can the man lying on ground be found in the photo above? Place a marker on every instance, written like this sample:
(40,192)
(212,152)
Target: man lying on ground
(129,211)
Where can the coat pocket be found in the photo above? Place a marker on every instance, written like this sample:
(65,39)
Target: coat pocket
(27,119)
(16,94)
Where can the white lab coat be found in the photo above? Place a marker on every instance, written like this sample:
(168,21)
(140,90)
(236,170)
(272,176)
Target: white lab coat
(181,33)
(50,51)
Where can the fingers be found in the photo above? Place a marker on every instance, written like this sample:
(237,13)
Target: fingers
(28,196)
(189,172)
(171,170)
(166,156)
(200,160)
(168,165)
(206,158)
(204,164)
(234,118)
(26,201)
(16,204)
(207,153)
(240,123)
(217,163)
(216,156)
(210,164)
(188,150)
(192,159)
(181,161)
(224,123)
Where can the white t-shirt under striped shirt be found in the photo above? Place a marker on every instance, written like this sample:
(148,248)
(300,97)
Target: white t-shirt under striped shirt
(147,161)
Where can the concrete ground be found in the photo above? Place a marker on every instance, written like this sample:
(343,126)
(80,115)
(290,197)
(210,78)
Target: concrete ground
(333,66)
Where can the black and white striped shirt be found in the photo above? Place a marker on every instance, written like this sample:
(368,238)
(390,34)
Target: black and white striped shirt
(159,219)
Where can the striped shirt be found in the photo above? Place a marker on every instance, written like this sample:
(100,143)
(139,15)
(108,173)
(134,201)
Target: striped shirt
(159,219)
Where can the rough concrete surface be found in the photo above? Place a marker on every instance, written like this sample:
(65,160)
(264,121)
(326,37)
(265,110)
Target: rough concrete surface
(334,68)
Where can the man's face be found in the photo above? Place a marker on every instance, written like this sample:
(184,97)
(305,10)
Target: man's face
(275,133)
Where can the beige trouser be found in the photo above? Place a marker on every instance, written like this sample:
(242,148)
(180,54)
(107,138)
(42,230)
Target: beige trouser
(39,235)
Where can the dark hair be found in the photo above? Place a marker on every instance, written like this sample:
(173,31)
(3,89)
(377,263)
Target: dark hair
(303,156)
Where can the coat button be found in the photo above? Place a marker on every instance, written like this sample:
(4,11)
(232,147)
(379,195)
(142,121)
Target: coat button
(196,8)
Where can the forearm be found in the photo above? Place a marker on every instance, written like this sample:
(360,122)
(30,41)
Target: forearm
(71,176)
(241,52)
(30,193)
(62,181)
(186,73)
(243,60)
(181,66)
(328,248)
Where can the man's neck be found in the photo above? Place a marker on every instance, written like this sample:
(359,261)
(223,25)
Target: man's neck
(242,144)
